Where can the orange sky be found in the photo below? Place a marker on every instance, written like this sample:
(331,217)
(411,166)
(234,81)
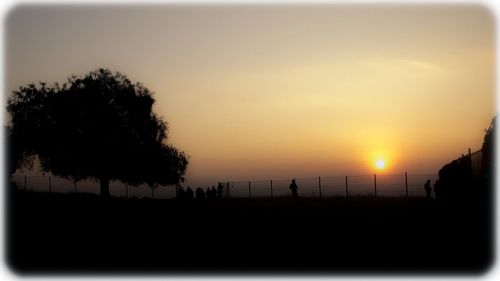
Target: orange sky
(260,92)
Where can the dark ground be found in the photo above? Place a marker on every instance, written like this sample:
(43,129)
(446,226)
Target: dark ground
(84,234)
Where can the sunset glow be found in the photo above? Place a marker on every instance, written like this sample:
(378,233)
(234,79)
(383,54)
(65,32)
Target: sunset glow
(267,92)
(321,137)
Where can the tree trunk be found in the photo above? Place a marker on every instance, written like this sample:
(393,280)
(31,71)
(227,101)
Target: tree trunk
(104,187)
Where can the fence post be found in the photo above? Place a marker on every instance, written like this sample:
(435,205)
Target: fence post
(346,188)
(319,182)
(153,192)
(75,186)
(126,191)
(249,190)
(50,185)
(271,188)
(406,183)
(228,190)
(375,182)
(25,186)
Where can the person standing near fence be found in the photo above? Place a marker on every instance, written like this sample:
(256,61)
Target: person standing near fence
(293,187)
(200,194)
(189,193)
(220,189)
(428,189)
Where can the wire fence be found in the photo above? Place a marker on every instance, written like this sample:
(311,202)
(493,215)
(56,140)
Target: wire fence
(53,184)
(396,185)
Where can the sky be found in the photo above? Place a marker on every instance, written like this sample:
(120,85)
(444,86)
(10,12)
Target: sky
(280,91)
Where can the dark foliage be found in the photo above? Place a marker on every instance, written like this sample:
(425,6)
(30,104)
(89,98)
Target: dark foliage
(488,166)
(467,195)
(97,126)
(458,181)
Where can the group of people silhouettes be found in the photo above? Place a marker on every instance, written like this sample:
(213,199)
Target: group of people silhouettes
(428,189)
(209,193)
(213,193)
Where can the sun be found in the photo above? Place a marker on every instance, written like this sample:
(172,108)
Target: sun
(379,161)
(380,164)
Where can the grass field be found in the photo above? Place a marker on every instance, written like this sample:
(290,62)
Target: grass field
(83,233)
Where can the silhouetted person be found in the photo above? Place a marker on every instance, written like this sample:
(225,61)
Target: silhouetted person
(293,187)
(214,192)
(200,194)
(189,193)
(437,190)
(208,193)
(181,194)
(428,189)
(220,189)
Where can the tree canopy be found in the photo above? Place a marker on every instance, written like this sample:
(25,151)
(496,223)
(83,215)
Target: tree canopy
(100,126)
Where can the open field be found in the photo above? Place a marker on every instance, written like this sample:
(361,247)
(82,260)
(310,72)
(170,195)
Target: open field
(82,233)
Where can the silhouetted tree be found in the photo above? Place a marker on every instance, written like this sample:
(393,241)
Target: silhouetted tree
(97,126)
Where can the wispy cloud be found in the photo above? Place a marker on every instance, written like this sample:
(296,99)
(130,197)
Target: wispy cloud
(424,66)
